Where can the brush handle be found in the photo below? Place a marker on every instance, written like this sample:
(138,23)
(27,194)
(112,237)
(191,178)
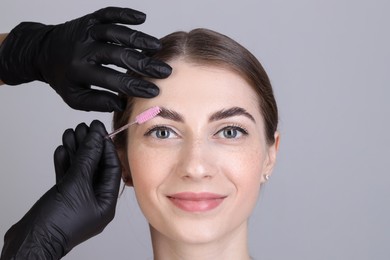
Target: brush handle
(120,129)
(140,119)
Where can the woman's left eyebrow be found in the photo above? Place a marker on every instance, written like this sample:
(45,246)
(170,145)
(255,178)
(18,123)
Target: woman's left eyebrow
(234,111)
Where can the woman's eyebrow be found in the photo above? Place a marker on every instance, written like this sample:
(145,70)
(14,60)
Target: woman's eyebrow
(234,111)
(170,114)
(219,115)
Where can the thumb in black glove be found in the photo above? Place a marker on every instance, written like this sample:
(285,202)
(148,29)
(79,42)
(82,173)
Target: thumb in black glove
(70,56)
(79,206)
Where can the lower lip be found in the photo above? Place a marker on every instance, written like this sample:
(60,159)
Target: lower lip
(196,205)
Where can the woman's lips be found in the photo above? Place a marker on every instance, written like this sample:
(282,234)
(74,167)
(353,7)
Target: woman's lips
(196,202)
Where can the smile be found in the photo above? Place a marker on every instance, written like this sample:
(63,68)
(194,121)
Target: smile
(196,202)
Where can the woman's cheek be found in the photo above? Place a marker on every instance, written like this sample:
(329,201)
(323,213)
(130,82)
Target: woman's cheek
(150,164)
(244,166)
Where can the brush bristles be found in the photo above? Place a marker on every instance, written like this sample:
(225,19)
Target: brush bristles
(147,115)
(141,118)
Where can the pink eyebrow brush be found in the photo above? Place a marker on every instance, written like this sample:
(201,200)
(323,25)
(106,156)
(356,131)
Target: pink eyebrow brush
(140,119)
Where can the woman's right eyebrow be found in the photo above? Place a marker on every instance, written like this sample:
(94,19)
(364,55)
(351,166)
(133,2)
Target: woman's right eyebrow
(170,114)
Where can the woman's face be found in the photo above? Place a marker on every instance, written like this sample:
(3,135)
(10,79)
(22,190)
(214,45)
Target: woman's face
(197,167)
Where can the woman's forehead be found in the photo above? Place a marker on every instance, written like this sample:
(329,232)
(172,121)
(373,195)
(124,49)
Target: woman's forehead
(201,87)
(204,83)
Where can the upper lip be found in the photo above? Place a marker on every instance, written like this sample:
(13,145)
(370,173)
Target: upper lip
(196,196)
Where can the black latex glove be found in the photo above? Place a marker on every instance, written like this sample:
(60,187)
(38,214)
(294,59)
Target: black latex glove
(69,57)
(79,206)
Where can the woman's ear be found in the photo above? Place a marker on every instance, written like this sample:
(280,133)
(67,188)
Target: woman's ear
(270,161)
(126,174)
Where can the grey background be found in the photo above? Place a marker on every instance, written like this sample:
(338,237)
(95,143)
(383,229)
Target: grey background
(329,64)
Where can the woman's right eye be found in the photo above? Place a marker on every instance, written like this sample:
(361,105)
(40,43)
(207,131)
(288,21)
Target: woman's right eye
(161,132)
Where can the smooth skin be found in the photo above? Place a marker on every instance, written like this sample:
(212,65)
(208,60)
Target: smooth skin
(201,152)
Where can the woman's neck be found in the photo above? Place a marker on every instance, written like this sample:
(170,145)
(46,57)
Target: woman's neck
(231,246)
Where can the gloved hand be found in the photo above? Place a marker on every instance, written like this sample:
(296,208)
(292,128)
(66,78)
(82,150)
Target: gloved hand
(79,206)
(70,56)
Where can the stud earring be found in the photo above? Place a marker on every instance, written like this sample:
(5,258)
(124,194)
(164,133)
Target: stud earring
(266,177)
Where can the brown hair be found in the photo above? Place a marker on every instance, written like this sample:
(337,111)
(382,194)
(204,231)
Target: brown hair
(206,47)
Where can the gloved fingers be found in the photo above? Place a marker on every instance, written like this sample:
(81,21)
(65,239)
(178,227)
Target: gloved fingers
(119,15)
(63,155)
(98,127)
(80,133)
(69,142)
(107,181)
(119,82)
(132,60)
(71,139)
(87,145)
(125,36)
(87,158)
(95,100)
(61,162)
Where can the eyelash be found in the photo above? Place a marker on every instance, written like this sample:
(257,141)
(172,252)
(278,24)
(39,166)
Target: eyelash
(236,127)
(158,127)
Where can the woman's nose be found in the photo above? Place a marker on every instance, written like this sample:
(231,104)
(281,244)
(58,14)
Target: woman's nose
(196,161)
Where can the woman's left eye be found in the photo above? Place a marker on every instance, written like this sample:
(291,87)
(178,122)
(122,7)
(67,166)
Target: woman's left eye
(231,132)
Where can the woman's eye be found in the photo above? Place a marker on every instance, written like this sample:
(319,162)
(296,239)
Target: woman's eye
(231,132)
(161,133)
